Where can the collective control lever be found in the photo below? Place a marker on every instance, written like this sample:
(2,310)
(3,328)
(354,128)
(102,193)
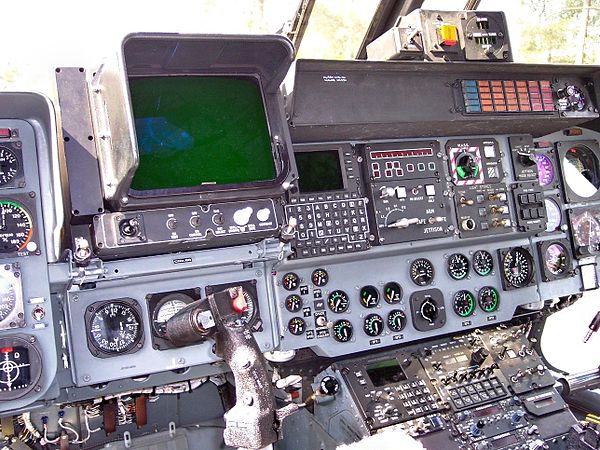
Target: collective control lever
(253,422)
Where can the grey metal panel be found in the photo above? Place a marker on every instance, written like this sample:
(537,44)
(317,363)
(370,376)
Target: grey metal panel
(79,147)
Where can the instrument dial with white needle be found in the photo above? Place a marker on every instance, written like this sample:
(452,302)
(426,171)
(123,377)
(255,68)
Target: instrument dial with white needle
(338,301)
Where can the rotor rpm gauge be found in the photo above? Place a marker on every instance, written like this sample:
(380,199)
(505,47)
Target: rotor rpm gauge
(517,268)
(463,303)
(115,328)
(458,266)
(16,227)
(422,272)
(9,165)
(483,263)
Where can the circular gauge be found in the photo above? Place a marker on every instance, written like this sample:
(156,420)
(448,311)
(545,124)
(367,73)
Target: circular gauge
(16,227)
(369,296)
(9,165)
(338,301)
(396,320)
(320,277)
(581,172)
(429,310)
(373,325)
(421,272)
(8,298)
(586,231)
(290,281)
(115,328)
(545,169)
(20,367)
(296,326)
(463,303)
(553,214)
(392,292)
(489,299)
(483,263)
(293,303)
(248,315)
(557,259)
(342,330)
(458,266)
(166,308)
(517,267)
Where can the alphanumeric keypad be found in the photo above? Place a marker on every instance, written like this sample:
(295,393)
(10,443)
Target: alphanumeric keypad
(477,392)
(329,224)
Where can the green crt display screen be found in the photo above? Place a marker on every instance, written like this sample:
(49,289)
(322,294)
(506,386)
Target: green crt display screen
(199,130)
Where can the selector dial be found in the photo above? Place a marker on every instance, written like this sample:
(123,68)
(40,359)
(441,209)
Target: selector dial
(429,310)
(342,330)
(422,272)
(293,303)
(320,277)
(396,320)
(463,303)
(369,296)
(296,326)
(392,292)
(338,301)
(458,266)
(373,325)
(489,299)
(290,281)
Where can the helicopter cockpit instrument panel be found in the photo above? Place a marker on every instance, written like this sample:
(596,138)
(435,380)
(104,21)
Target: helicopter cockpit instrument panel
(395,229)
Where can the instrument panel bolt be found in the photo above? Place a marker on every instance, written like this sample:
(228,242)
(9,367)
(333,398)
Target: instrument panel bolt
(87,378)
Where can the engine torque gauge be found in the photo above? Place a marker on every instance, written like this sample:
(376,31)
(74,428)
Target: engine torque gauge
(517,268)
(16,227)
(396,320)
(458,266)
(463,303)
(373,325)
(338,301)
(369,296)
(114,328)
(483,263)
(488,299)
(422,272)
(342,330)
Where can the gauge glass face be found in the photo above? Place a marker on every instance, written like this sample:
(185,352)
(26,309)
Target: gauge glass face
(545,169)
(392,292)
(342,330)
(581,171)
(553,214)
(8,297)
(115,328)
(9,165)
(166,309)
(463,303)
(338,301)
(14,368)
(586,231)
(296,326)
(489,299)
(483,263)
(373,325)
(290,281)
(556,259)
(369,296)
(517,267)
(16,227)
(396,320)
(293,303)
(421,272)
(320,277)
(458,266)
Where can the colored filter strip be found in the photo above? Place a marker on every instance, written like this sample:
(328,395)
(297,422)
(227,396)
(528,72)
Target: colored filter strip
(512,96)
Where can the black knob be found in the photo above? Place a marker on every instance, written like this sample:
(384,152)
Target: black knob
(478,356)
(329,385)
(526,159)
(480,424)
